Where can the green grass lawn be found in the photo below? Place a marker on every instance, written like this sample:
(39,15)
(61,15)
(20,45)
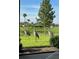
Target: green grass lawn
(32,41)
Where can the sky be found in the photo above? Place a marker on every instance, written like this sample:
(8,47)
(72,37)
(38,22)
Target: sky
(31,8)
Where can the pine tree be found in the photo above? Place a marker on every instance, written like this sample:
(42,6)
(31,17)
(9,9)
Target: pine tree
(46,13)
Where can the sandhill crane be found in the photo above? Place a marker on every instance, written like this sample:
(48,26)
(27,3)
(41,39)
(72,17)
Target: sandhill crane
(27,33)
(50,34)
(36,34)
(51,37)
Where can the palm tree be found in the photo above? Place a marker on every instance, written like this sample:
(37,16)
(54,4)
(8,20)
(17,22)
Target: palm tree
(28,32)
(24,15)
(28,20)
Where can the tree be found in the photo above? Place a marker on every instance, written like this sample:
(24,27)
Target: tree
(46,13)
(28,20)
(24,15)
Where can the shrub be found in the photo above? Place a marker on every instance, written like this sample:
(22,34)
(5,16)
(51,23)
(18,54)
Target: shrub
(54,41)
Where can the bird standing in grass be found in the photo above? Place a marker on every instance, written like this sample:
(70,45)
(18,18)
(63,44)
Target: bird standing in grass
(36,34)
(27,33)
(50,34)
